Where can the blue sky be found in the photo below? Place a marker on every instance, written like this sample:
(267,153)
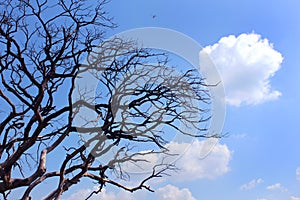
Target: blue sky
(260,157)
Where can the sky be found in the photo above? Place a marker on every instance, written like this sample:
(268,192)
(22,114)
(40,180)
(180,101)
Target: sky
(255,47)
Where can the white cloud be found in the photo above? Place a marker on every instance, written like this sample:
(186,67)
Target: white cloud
(295,198)
(239,136)
(251,184)
(203,159)
(246,63)
(104,194)
(170,192)
(298,173)
(276,186)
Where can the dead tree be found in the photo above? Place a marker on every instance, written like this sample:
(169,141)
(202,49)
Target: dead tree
(45,46)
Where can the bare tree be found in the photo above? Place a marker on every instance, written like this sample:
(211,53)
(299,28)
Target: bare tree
(44,48)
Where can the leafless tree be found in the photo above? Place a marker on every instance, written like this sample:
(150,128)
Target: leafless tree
(45,46)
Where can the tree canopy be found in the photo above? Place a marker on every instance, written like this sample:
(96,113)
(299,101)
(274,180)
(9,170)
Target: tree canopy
(45,49)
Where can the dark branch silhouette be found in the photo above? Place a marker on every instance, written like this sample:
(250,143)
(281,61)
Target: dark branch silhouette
(45,46)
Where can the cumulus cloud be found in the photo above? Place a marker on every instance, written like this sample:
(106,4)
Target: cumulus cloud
(251,184)
(298,173)
(203,159)
(170,192)
(246,63)
(276,186)
(295,198)
(199,160)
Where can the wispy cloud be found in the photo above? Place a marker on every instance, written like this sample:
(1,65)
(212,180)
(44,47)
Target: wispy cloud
(246,64)
(276,186)
(298,173)
(252,184)
(238,136)
(295,198)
